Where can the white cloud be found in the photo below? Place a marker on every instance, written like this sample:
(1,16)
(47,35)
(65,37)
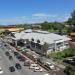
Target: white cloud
(35,18)
(43,15)
(22,17)
(13,19)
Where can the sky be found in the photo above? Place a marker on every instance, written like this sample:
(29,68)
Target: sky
(34,11)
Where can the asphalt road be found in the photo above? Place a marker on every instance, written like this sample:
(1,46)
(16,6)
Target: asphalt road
(5,63)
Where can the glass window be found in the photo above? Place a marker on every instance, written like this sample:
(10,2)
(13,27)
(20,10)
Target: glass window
(66,42)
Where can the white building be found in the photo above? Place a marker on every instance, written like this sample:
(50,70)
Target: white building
(54,41)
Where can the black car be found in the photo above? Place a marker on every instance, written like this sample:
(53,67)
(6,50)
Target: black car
(72,62)
(5,44)
(7,53)
(11,69)
(18,66)
(10,58)
(18,56)
(16,53)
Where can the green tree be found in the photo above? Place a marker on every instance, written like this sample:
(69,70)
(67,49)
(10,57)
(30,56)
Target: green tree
(45,26)
(71,21)
(45,48)
(70,70)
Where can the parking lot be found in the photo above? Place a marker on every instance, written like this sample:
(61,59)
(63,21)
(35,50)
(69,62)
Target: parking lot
(6,62)
(57,70)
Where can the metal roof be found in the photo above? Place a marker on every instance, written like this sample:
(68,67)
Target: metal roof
(48,37)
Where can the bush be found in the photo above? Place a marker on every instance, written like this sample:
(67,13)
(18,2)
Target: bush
(61,55)
(70,70)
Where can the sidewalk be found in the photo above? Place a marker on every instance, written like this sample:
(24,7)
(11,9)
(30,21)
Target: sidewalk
(55,63)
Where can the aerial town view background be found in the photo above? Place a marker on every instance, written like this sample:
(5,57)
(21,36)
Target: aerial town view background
(37,37)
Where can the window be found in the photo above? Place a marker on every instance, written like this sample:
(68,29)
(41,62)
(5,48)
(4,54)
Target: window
(51,46)
(66,42)
(32,44)
(60,44)
(38,46)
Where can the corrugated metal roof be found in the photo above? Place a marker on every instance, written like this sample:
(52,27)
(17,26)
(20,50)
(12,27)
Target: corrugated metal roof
(48,38)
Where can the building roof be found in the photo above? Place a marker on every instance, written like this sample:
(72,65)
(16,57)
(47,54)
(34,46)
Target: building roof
(73,33)
(43,36)
(28,30)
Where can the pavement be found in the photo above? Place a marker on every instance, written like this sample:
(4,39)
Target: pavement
(58,67)
(5,63)
(55,63)
(26,71)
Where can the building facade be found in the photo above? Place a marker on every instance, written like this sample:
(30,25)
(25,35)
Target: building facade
(43,42)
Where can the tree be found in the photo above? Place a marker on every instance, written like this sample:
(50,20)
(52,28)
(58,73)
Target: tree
(70,29)
(6,32)
(70,70)
(45,26)
(45,48)
(71,21)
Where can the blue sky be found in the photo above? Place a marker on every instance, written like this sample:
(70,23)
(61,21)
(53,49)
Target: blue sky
(33,11)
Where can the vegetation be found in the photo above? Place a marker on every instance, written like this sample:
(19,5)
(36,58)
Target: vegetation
(70,70)
(63,54)
(71,20)
(59,27)
(53,27)
(45,48)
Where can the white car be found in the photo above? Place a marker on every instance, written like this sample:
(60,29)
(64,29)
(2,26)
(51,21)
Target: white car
(46,74)
(50,65)
(70,59)
(32,66)
(38,69)
(1,71)
(10,50)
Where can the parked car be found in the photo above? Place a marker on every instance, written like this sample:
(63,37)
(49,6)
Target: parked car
(7,53)
(69,61)
(16,53)
(5,44)
(22,58)
(10,57)
(1,71)
(18,66)
(12,51)
(50,65)
(27,63)
(36,69)
(11,69)
(46,74)
(32,66)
